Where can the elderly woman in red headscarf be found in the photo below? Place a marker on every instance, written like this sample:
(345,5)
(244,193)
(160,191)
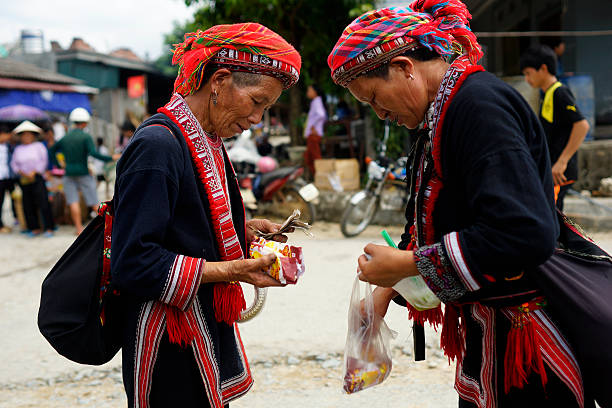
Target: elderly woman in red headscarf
(481,214)
(179,234)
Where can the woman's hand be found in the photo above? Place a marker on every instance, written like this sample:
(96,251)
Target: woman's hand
(244,270)
(264,226)
(386,265)
(382,298)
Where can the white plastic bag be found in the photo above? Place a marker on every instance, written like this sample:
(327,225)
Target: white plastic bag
(367,355)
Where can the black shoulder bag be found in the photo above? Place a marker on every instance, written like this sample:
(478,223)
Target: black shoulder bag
(577,283)
(79,312)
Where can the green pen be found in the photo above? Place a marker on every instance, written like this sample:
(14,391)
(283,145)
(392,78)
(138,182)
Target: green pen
(388,239)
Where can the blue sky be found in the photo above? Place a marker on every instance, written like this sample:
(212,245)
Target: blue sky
(106,25)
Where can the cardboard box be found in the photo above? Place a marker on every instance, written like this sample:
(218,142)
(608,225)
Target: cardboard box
(337,174)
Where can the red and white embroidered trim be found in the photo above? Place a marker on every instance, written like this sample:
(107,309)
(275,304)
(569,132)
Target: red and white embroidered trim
(556,353)
(198,143)
(150,328)
(183,281)
(453,249)
(483,393)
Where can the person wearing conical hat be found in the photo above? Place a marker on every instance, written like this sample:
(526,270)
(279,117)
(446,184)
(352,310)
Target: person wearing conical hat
(29,161)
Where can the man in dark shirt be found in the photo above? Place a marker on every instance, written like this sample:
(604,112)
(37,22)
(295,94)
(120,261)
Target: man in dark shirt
(563,123)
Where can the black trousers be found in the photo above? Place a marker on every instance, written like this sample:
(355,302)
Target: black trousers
(5,186)
(35,201)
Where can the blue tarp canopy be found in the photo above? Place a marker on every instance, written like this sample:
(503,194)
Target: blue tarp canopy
(63,102)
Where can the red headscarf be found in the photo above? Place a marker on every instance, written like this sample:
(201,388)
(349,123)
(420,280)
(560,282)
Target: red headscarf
(248,47)
(377,36)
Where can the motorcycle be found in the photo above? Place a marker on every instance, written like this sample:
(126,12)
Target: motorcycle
(278,193)
(385,189)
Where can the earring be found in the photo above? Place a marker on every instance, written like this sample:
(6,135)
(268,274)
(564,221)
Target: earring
(214,97)
(412,77)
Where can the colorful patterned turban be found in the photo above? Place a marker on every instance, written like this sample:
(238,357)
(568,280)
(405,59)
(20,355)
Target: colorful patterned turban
(246,47)
(377,36)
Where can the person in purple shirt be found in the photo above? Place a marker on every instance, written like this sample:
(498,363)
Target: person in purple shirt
(313,132)
(30,160)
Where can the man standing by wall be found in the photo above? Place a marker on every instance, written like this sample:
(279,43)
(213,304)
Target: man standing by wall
(563,123)
(76,146)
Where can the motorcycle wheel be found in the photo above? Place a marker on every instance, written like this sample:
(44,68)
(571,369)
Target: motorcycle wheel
(289,199)
(358,216)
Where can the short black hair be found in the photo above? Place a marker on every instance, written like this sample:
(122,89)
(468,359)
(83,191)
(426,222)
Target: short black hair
(240,78)
(537,56)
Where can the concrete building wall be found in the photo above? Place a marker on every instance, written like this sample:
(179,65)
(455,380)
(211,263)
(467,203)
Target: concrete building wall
(94,74)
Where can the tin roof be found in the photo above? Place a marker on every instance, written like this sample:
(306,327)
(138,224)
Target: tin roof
(10,68)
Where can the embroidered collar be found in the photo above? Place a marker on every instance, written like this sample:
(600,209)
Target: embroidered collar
(430,182)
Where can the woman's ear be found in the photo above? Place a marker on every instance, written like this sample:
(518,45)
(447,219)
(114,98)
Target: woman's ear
(403,65)
(220,78)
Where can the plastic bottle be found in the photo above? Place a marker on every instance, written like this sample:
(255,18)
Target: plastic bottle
(413,288)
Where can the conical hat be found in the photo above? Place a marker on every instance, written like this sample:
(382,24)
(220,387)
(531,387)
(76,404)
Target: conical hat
(27,126)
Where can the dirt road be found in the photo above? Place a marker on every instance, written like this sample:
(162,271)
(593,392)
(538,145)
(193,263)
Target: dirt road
(295,345)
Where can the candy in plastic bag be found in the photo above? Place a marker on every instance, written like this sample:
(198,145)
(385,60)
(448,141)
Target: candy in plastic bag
(367,355)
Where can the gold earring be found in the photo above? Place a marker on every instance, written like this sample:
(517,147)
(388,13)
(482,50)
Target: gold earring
(214,97)
(412,77)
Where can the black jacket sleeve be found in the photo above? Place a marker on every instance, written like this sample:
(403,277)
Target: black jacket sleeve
(494,152)
(146,192)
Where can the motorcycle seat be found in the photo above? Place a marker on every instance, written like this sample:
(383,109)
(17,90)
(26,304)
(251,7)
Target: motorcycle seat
(267,178)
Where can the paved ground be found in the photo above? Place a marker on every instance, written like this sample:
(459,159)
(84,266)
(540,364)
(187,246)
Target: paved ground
(295,345)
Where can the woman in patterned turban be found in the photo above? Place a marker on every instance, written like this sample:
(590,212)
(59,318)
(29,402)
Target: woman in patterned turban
(481,215)
(179,234)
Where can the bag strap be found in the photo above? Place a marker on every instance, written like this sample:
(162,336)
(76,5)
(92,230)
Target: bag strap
(106,210)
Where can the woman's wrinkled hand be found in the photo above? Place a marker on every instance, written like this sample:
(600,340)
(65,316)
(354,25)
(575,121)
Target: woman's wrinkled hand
(266,226)
(251,271)
(386,265)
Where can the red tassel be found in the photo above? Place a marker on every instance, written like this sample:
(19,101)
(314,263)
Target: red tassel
(523,353)
(431,316)
(229,302)
(179,330)
(450,338)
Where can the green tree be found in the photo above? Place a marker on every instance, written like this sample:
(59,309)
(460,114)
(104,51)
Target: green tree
(312,27)
(164,62)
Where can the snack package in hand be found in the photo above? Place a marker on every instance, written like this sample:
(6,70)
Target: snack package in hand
(367,355)
(289,264)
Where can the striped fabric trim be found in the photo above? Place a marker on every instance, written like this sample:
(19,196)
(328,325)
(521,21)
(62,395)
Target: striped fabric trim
(183,281)
(203,351)
(239,385)
(481,393)
(372,58)
(455,254)
(150,328)
(262,64)
(218,394)
(556,353)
